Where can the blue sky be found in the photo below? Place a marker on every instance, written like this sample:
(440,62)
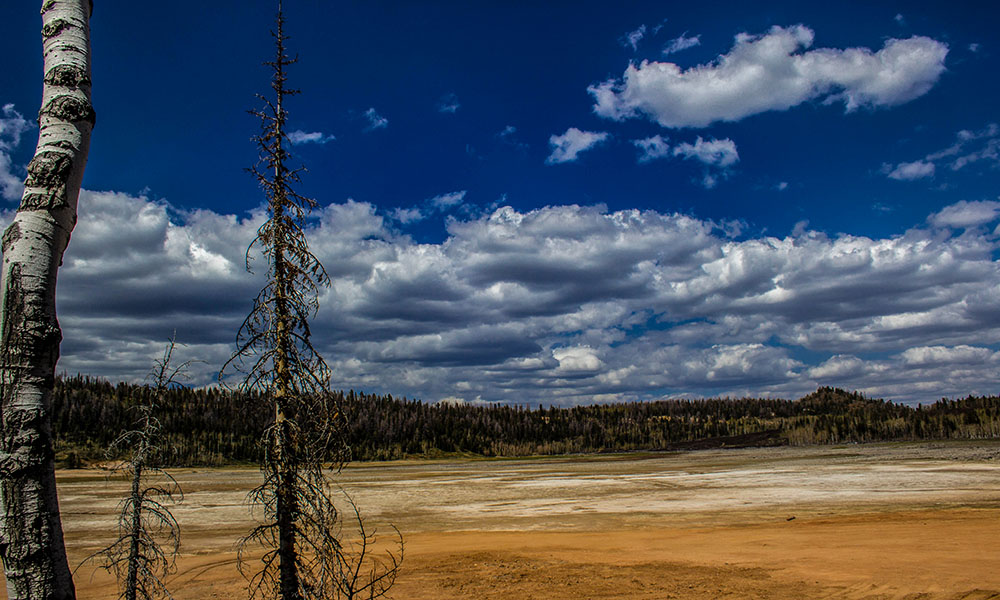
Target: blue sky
(553,202)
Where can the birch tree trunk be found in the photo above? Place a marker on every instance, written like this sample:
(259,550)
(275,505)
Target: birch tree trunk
(31,538)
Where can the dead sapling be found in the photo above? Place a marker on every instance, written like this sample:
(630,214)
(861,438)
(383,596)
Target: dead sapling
(148,540)
(360,566)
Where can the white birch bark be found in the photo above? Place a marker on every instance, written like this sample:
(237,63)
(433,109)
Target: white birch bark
(31,538)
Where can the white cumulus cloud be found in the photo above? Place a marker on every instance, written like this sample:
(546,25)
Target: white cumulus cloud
(632,38)
(12,126)
(11,185)
(375,120)
(841,368)
(682,42)
(652,148)
(578,358)
(910,171)
(315,137)
(716,156)
(944,355)
(438,204)
(446,201)
(970,147)
(966,214)
(567,147)
(772,71)
(449,104)
(719,153)
(407,215)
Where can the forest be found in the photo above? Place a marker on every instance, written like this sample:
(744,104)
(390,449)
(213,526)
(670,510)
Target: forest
(212,426)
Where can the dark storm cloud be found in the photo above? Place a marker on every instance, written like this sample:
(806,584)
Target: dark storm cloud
(560,304)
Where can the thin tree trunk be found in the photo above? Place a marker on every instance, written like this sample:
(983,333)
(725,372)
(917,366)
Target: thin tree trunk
(132,577)
(287,465)
(31,539)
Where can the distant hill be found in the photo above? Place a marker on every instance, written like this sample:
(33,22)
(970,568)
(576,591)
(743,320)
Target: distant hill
(213,426)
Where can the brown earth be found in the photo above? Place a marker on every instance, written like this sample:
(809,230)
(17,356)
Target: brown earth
(912,521)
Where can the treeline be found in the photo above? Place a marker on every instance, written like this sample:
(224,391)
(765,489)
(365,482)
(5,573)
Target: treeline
(214,426)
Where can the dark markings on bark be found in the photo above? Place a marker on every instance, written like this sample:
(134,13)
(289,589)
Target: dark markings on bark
(28,341)
(8,546)
(69,108)
(24,545)
(55,27)
(11,235)
(25,434)
(11,346)
(27,448)
(49,168)
(42,202)
(21,429)
(67,76)
(50,171)
(47,6)
(67,48)
(51,338)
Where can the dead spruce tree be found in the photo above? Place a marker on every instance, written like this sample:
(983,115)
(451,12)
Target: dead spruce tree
(31,538)
(148,534)
(281,367)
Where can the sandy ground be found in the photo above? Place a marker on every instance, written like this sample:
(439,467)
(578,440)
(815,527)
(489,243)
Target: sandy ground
(909,521)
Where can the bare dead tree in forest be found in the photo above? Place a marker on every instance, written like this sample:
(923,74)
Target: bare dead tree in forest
(148,534)
(282,367)
(31,537)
